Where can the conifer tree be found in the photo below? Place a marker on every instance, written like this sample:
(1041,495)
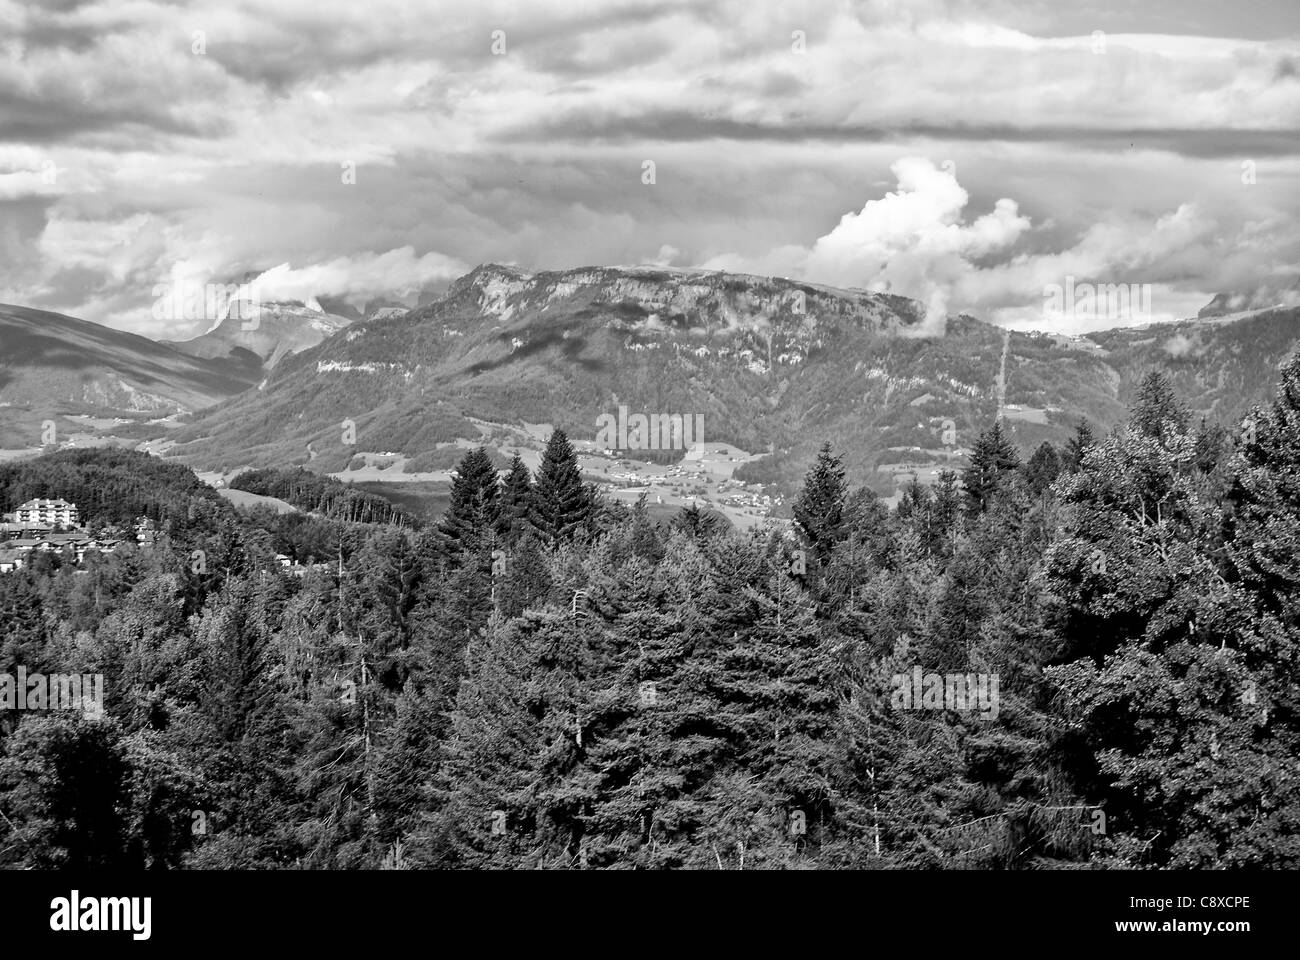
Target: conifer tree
(452,611)
(1267,494)
(1077,446)
(777,683)
(643,534)
(516,497)
(501,796)
(947,509)
(992,465)
(561,502)
(699,524)
(525,581)
(915,499)
(1213,446)
(474,510)
(408,754)
(233,644)
(819,508)
(24,632)
(1156,408)
(1042,469)
(651,736)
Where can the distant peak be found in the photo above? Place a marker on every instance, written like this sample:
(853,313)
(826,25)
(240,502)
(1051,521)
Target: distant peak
(486,274)
(497,269)
(1232,302)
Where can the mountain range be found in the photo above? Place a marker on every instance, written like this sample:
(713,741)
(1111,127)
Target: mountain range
(772,366)
(53,365)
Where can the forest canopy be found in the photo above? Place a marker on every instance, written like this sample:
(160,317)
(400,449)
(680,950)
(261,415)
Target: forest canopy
(1075,657)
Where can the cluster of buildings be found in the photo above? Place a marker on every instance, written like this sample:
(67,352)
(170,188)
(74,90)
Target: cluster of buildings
(755,501)
(51,526)
(733,493)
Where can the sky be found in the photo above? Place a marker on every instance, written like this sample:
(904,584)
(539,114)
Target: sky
(980,157)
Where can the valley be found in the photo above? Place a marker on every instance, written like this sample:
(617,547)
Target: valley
(771,367)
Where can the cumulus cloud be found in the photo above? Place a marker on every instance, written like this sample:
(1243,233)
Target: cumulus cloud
(912,241)
(1119,270)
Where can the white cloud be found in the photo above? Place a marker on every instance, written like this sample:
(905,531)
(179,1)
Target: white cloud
(28,183)
(27,172)
(517,157)
(394,273)
(912,241)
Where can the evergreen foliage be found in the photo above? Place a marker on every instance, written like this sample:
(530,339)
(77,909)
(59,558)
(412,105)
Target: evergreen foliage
(1088,661)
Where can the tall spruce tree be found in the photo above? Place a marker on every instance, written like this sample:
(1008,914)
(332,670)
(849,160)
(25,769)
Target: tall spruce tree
(1156,408)
(819,509)
(561,502)
(472,514)
(993,463)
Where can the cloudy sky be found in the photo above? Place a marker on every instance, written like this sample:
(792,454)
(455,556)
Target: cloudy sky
(967,154)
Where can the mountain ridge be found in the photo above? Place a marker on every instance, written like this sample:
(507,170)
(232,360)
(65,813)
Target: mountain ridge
(774,365)
(52,365)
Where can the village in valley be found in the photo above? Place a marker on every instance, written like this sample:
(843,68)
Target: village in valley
(704,477)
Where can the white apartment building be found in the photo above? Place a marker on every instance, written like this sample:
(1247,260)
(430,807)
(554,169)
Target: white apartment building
(48,511)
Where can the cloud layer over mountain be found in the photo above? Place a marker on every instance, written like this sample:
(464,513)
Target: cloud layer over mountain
(966,154)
